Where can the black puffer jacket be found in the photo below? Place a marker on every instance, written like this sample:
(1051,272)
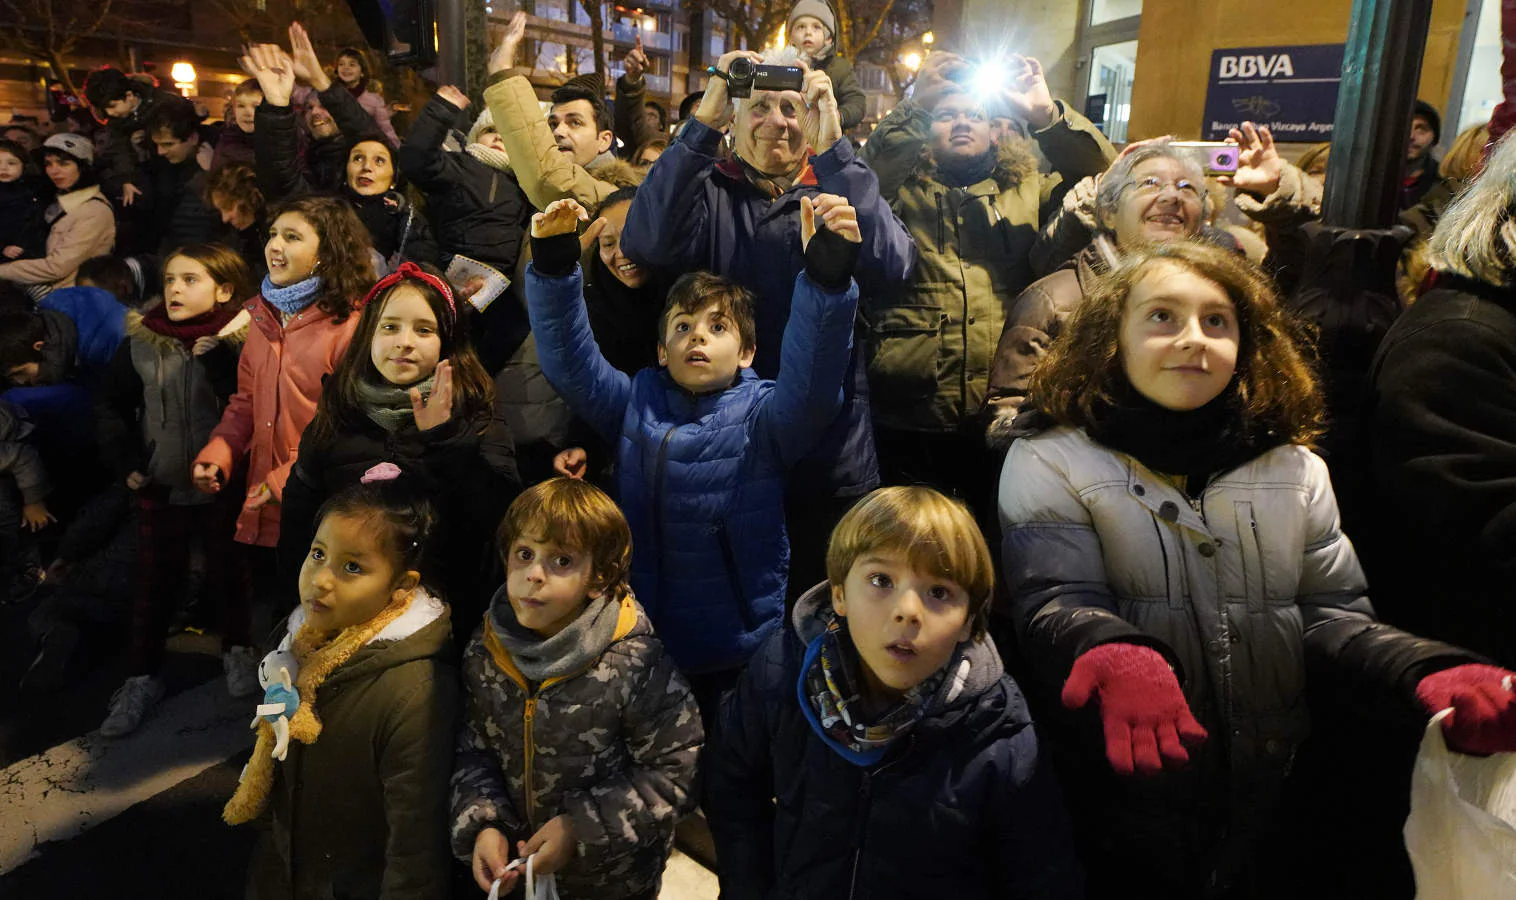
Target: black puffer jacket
(470,471)
(481,212)
(180,215)
(962,806)
(398,229)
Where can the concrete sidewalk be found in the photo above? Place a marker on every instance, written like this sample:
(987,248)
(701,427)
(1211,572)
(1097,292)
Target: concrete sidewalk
(685,879)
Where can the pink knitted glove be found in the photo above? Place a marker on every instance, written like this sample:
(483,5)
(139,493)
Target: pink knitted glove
(1147,721)
(1484,708)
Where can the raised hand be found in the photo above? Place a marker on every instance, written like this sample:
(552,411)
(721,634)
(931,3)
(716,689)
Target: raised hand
(635,61)
(1028,94)
(941,73)
(819,96)
(504,55)
(571,463)
(715,108)
(560,217)
(1259,165)
(438,408)
(1147,721)
(307,64)
(274,70)
(451,94)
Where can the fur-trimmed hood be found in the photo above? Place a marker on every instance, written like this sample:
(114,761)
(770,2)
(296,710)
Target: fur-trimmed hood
(1014,163)
(619,172)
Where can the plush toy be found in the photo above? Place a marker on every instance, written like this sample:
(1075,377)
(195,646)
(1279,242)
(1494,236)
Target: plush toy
(277,673)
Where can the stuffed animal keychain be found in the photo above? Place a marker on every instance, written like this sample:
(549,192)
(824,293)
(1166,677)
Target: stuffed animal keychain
(277,673)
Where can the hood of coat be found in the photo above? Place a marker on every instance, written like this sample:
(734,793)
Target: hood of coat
(1014,163)
(617,171)
(423,631)
(973,668)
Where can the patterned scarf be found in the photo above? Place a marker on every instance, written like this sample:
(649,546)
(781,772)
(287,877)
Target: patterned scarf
(834,686)
(389,405)
(188,331)
(291,298)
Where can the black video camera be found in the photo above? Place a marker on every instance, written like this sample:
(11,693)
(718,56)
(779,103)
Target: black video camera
(744,76)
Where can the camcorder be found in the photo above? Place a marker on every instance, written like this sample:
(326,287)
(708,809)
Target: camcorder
(745,76)
(1220,157)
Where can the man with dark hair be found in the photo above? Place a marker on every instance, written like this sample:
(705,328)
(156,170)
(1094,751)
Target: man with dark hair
(1420,165)
(175,182)
(126,102)
(578,126)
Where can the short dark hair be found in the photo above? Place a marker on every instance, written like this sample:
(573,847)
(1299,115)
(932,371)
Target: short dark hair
(660,109)
(14,149)
(112,275)
(695,291)
(106,85)
(571,92)
(19,334)
(177,117)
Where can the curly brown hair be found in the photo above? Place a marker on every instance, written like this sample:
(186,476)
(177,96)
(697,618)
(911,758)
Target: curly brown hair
(344,262)
(1276,389)
(237,184)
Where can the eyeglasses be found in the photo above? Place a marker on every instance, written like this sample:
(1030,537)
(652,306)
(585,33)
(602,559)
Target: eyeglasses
(1152,187)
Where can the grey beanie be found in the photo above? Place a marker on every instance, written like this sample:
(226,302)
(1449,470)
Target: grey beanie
(816,9)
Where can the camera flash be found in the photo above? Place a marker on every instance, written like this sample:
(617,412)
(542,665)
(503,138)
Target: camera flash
(989,78)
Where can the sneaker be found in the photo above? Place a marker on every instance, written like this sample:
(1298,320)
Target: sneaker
(241,665)
(130,705)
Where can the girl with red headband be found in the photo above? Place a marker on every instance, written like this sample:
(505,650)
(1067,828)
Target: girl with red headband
(411,391)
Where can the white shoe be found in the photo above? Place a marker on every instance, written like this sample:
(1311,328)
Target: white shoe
(241,665)
(130,705)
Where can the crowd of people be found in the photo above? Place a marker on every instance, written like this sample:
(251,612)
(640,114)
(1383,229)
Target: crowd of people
(598,468)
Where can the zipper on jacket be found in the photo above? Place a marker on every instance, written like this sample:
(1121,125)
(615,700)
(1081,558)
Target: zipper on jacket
(529,744)
(658,470)
(862,817)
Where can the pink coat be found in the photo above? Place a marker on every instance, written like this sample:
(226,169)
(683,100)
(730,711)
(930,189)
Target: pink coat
(278,386)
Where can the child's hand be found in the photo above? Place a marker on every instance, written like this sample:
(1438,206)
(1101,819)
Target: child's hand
(36,517)
(451,94)
(207,477)
(136,481)
(571,463)
(836,214)
(205,344)
(13,252)
(553,845)
(437,408)
(820,97)
(492,851)
(560,217)
(258,497)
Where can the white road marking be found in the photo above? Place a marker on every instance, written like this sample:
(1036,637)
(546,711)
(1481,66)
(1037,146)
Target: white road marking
(64,792)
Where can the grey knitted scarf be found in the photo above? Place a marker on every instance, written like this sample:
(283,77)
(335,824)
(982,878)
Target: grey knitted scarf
(569,651)
(388,405)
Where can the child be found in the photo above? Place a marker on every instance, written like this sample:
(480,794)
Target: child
(812,30)
(166,390)
(410,391)
(235,146)
(566,675)
(352,73)
(1173,552)
(703,443)
(18,202)
(480,210)
(318,267)
(359,797)
(907,765)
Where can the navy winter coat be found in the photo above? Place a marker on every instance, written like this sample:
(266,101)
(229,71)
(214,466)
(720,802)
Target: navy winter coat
(963,806)
(701,476)
(693,212)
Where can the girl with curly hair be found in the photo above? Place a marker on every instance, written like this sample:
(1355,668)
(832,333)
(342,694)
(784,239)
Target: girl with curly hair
(1174,557)
(319,266)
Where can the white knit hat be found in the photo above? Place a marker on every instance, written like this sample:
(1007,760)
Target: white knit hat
(73,145)
(485,122)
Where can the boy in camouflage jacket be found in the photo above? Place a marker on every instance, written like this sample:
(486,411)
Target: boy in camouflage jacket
(580,736)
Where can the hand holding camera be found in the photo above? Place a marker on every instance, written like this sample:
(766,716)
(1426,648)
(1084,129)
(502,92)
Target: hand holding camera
(715,109)
(941,73)
(1027,94)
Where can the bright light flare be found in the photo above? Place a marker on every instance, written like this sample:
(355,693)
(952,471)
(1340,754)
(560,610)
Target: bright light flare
(182,72)
(911,61)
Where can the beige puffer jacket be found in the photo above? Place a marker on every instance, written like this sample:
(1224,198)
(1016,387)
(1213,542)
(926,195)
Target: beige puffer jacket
(82,225)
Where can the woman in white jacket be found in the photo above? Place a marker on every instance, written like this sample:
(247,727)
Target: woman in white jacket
(1173,554)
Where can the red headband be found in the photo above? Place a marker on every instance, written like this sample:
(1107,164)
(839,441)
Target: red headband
(409,270)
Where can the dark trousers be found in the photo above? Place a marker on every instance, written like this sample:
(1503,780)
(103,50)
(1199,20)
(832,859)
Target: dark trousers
(166,533)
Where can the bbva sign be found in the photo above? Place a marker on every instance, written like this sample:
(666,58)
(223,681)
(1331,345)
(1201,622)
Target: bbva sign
(1257,66)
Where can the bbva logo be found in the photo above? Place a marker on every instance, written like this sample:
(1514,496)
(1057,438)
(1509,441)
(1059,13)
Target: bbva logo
(1257,66)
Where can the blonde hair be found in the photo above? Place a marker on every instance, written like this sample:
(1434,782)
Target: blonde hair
(935,534)
(577,515)
(1464,157)
(1476,237)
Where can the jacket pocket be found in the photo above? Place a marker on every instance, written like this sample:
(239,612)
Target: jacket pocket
(905,348)
(734,578)
(1254,584)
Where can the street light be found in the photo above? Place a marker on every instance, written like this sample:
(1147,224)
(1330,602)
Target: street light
(911,60)
(928,38)
(184,77)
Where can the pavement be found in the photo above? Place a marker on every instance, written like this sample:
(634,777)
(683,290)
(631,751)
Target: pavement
(139,817)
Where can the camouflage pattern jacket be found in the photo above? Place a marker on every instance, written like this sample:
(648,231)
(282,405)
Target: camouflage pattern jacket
(612,746)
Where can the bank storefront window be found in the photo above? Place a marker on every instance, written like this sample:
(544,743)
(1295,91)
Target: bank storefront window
(1481,88)
(1110,10)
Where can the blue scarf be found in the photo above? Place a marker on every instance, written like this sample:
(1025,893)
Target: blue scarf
(290,300)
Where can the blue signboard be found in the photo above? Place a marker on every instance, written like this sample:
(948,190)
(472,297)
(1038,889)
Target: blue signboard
(1293,90)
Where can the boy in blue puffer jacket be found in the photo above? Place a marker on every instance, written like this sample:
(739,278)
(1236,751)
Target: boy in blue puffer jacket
(703,443)
(876,747)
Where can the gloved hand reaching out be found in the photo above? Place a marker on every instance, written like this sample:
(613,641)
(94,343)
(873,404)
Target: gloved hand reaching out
(1484,708)
(1147,722)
